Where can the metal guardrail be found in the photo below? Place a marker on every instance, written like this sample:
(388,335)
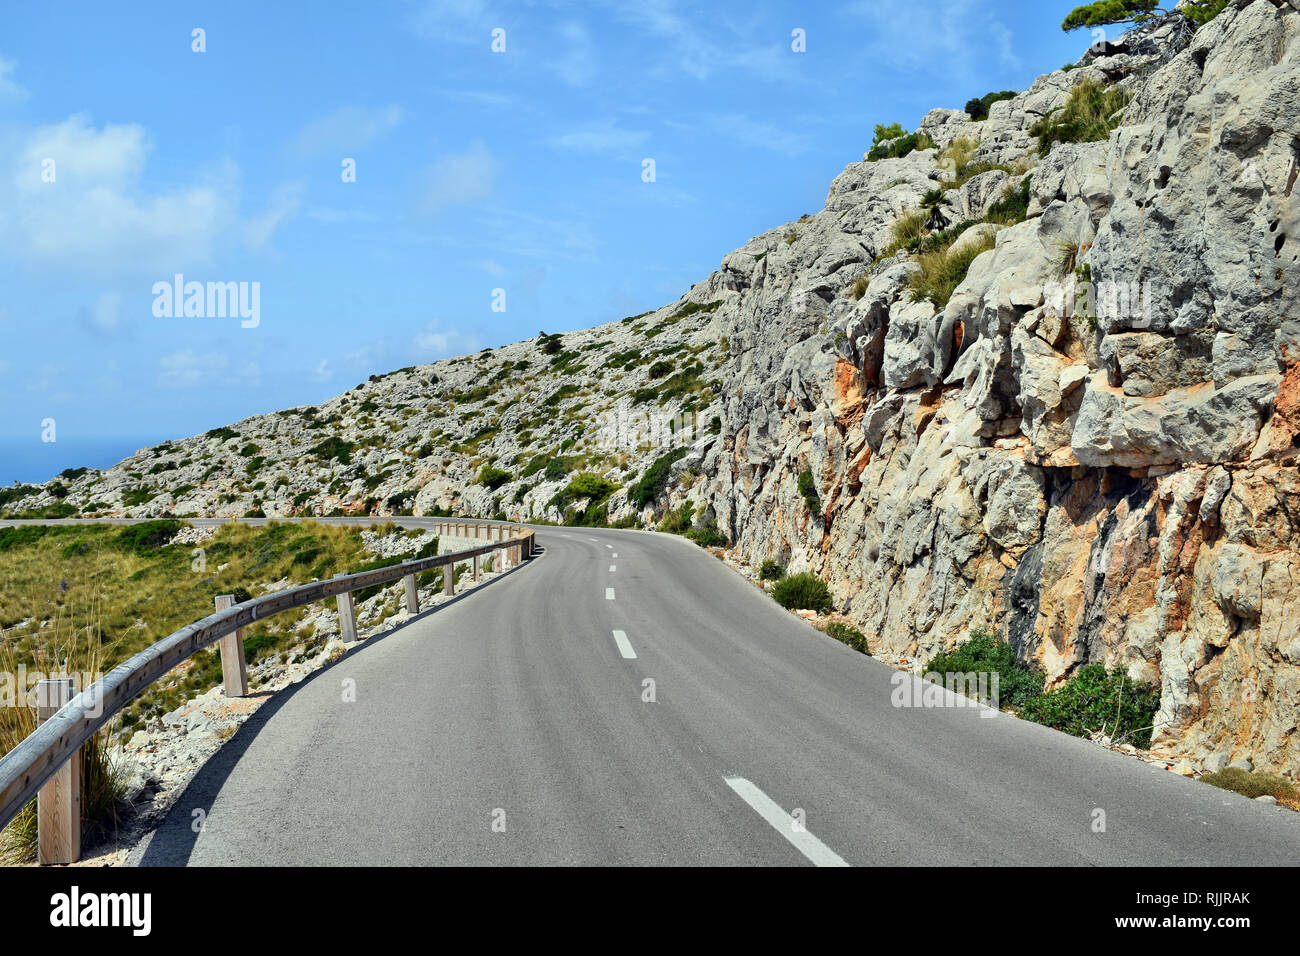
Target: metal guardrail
(29,767)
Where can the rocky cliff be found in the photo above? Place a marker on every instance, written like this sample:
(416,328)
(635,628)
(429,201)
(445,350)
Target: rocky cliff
(1035,380)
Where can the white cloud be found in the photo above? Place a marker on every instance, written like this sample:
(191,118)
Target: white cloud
(9,90)
(434,341)
(106,314)
(322,372)
(756,133)
(99,213)
(492,267)
(187,369)
(958,34)
(708,45)
(458,178)
(601,137)
(285,203)
(577,63)
(460,21)
(347,129)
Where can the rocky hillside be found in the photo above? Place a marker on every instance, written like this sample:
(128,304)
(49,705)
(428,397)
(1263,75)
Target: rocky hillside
(1037,373)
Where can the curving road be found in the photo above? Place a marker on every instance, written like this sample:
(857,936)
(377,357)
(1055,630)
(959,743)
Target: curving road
(512,727)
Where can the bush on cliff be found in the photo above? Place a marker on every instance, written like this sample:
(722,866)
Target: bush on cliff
(1018,683)
(1094,701)
(802,591)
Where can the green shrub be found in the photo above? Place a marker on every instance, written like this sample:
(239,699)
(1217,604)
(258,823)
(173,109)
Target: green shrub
(1093,700)
(769,570)
(848,635)
(146,538)
(899,147)
(660,369)
(691,308)
(223,433)
(1088,115)
(979,108)
(892,131)
(138,496)
(332,448)
(802,591)
(708,536)
(1018,683)
(1202,12)
(493,477)
(808,489)
(655,480)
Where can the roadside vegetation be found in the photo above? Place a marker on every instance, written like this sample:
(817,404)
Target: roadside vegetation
(1091,701)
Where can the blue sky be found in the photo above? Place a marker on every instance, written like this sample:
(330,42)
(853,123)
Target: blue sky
(475,170)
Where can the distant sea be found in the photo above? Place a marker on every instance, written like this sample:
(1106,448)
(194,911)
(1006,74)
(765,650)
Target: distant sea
(31,460)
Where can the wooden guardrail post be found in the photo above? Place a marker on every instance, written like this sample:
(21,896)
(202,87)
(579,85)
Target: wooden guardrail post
(58,804)
(234,669)
(449,579)
(476,567)
(347,615)
(412,595)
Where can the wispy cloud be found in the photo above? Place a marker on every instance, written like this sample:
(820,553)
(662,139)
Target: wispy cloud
(189,369)
(706,44)
(435,341)
(576,64)
(347,129)
(604,136)
(781,139)
(9,89)
(284,204)
(457,178)
(957,34)
(105,316)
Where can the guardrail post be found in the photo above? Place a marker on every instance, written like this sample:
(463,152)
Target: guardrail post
(476,567)
(347,615)
(412,595)
(234,670)
(58,803)
(449,579)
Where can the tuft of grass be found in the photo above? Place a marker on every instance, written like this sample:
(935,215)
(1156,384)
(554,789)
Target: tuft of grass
(860,286)
(943,270)
(959,153)
(1250,783)
(1090,114)
(907,230)
(75,649)
(1012,208)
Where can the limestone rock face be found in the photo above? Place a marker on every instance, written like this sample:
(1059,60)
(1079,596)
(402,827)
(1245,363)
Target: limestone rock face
(1090,448)
(1109,481)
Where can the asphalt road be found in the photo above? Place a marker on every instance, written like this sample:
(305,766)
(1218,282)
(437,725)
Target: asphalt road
(513,727)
